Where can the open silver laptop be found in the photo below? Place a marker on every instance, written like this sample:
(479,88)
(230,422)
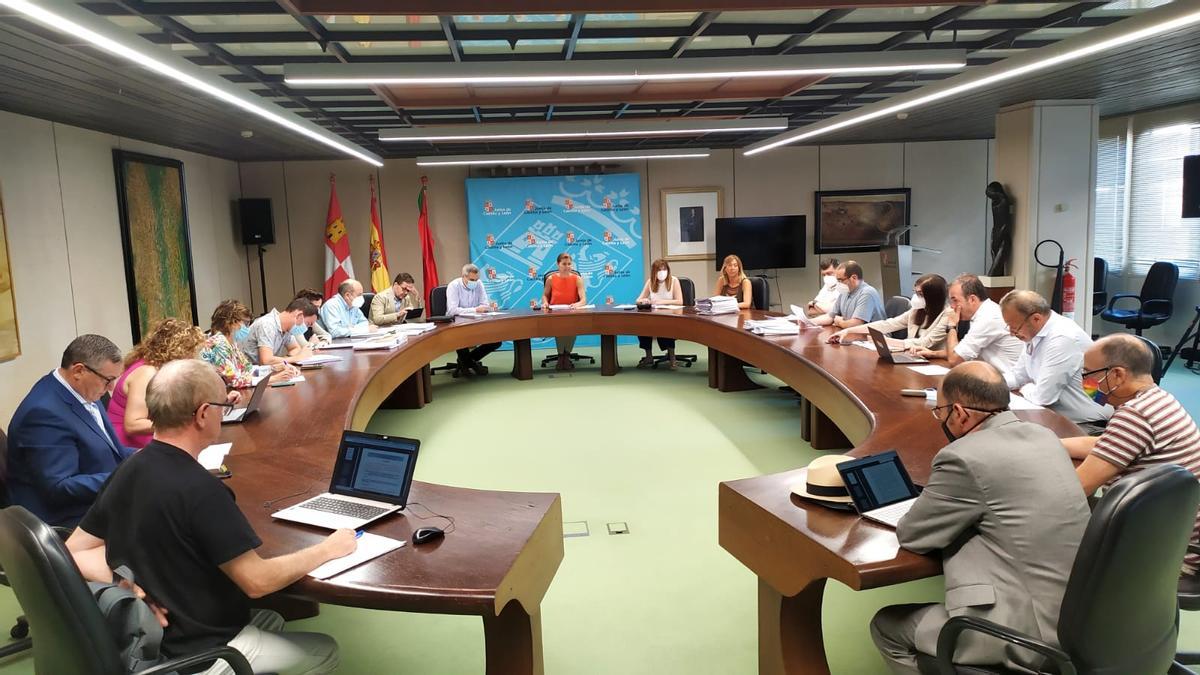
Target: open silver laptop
(885,350)
(371,479)
(235,415)
(880,487)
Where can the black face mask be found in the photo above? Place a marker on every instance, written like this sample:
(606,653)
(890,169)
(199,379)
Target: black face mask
(950,434)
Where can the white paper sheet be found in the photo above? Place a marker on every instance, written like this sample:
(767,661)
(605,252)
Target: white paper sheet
(930,369)
(1018,402)
(370,546)
(319,359)
(213,456)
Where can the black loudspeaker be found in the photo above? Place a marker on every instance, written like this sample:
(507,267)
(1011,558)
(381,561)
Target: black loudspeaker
(258,227)
(1191,186)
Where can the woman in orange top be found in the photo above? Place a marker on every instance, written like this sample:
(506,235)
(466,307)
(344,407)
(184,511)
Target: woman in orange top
(734,282)
(564,287)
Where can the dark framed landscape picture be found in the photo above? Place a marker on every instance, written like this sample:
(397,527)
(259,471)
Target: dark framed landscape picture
(155,240)
(861,220)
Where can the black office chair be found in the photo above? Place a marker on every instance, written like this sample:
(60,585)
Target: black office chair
(689,300)
(1156,300)
(366,306)
(72,634)
(437,307)
(1099,285)
(20,630)
(1188,595)
(1157,369)
(1119,610)
(894,307)
(760,293)
(573,356)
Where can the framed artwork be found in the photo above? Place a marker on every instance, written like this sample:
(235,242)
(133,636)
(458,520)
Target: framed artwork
(10,337)
(154,237)
(689,220)
(861,220)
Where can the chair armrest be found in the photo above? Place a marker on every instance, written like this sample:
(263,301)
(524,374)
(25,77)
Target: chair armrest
(1119,296)
(1163,306)
(228,654)
(948,642)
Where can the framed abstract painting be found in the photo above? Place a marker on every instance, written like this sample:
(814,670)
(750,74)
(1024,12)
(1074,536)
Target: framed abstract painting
(861,220)
(154,236)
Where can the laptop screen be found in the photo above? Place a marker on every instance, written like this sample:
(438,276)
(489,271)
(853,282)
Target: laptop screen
(877,481)
(376,467)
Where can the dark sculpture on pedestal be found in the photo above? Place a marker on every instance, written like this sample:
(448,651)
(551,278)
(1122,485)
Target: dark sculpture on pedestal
(1002,229)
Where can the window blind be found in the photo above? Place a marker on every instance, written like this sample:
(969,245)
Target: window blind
(1156,229)
(1110,202)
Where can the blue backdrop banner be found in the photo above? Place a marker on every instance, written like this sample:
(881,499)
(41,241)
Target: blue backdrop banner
(518,226)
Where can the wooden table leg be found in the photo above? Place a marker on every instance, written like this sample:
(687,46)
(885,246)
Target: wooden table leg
(513,641)
(806,419)
(823,433)
(731,374)
(522,360)
(713,357)
(608,355)
(412,394)
(789,631)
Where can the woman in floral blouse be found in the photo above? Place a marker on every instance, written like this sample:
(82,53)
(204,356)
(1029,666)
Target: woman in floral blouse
(220,347)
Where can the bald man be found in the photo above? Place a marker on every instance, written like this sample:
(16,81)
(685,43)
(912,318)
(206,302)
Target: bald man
(1002,507)
(342,314)
(1149,427)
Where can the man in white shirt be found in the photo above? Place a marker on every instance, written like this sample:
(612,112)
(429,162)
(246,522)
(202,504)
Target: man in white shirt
(466,295)
(827,296)
(988,339)
(1049,369)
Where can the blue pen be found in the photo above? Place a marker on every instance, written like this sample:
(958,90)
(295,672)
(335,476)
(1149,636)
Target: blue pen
(358,533)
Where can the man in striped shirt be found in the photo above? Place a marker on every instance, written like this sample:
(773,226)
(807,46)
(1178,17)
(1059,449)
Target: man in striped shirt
(1150,426)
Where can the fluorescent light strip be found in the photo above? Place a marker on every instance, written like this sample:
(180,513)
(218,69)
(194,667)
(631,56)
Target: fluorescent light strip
(558,159)
(854,119)
(617,77)
(65,25)
(404,134)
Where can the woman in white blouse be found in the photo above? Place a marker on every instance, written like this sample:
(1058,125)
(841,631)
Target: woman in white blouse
(926,321)
(660,289)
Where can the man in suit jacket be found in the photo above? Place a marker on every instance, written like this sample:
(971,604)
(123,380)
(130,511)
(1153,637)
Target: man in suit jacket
(61,447)
(1001,507)
(391,305)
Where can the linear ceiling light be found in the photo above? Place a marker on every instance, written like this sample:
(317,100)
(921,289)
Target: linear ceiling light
(68,18)
(563,157)
(615,129)
(1096,41)
(642,70)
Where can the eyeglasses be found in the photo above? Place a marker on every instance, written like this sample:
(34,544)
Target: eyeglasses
(222,404)
(1088,373)
(107,380)
(941,417)
(1017,331)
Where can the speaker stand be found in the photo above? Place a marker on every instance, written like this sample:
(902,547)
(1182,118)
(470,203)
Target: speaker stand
(262,278)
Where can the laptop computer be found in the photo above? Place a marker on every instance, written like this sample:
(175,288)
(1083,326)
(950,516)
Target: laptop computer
(371,479)
(885,351)
(236,415)
(413,313)
(879,487)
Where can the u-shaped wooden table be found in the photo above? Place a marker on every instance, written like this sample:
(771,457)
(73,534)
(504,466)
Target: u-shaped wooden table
(506,547)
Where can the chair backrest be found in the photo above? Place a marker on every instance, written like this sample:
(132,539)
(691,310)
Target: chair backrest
(760,293)
(1160,282)
(437,301)
(547,274)
(895,306)
(1119,611)
(72,636)
(1157,370)
(366,306)
(4,502)
(1099,275)
(689,291)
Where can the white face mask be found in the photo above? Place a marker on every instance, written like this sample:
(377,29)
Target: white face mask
(357,302)
(843,288)
(830,280)
(917,302)
(661,275)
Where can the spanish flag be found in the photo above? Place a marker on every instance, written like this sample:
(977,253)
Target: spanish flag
(380,279)
(338,267)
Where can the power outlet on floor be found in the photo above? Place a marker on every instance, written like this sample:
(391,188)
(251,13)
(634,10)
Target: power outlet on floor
(618,528)
(576,528)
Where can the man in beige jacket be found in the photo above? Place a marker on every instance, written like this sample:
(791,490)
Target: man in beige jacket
(391,306)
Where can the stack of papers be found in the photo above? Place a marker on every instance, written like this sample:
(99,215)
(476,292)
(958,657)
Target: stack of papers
(475,315)
(667,306)
(340,343)
(385,342)
(773,326)
(718,304)
(370,546)
(361,330)
(415,328)
(801,317)
(566,307)
(319,359)
(624,306)
(213,456)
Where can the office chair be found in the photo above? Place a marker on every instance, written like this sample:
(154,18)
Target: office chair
(894,307)
(1188,595)
(760,293)
(72,634)
(1157,369)
(1100,285)
(1156,300)
(20,630)
(437,307)
(1119,611)
(366,306)
(689,300)
(573,356)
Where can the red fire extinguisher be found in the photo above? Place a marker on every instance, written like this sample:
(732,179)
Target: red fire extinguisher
(1068,281)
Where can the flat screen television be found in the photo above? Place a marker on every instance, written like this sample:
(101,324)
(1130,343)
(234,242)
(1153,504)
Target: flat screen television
(764,242)
(1191,186)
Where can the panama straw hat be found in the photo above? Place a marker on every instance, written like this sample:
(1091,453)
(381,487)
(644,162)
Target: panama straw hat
(823,482)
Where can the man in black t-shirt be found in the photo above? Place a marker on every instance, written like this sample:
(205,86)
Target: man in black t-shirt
(182,534)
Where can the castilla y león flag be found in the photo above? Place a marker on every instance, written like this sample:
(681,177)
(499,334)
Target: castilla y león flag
(338,267)
(380,281)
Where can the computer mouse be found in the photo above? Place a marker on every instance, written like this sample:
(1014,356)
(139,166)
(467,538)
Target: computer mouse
(427,534)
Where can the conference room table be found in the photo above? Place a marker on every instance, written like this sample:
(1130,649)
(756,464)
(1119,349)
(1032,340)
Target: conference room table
(501,557)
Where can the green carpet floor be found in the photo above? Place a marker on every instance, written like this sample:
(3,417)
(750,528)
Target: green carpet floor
(647,449)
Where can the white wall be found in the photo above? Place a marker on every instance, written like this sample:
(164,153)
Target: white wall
(60,206)
(947,180)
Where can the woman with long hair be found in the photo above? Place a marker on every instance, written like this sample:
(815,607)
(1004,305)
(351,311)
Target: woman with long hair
(564,287)
(926,321)
(229,324)
(660,289)
(733,282)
